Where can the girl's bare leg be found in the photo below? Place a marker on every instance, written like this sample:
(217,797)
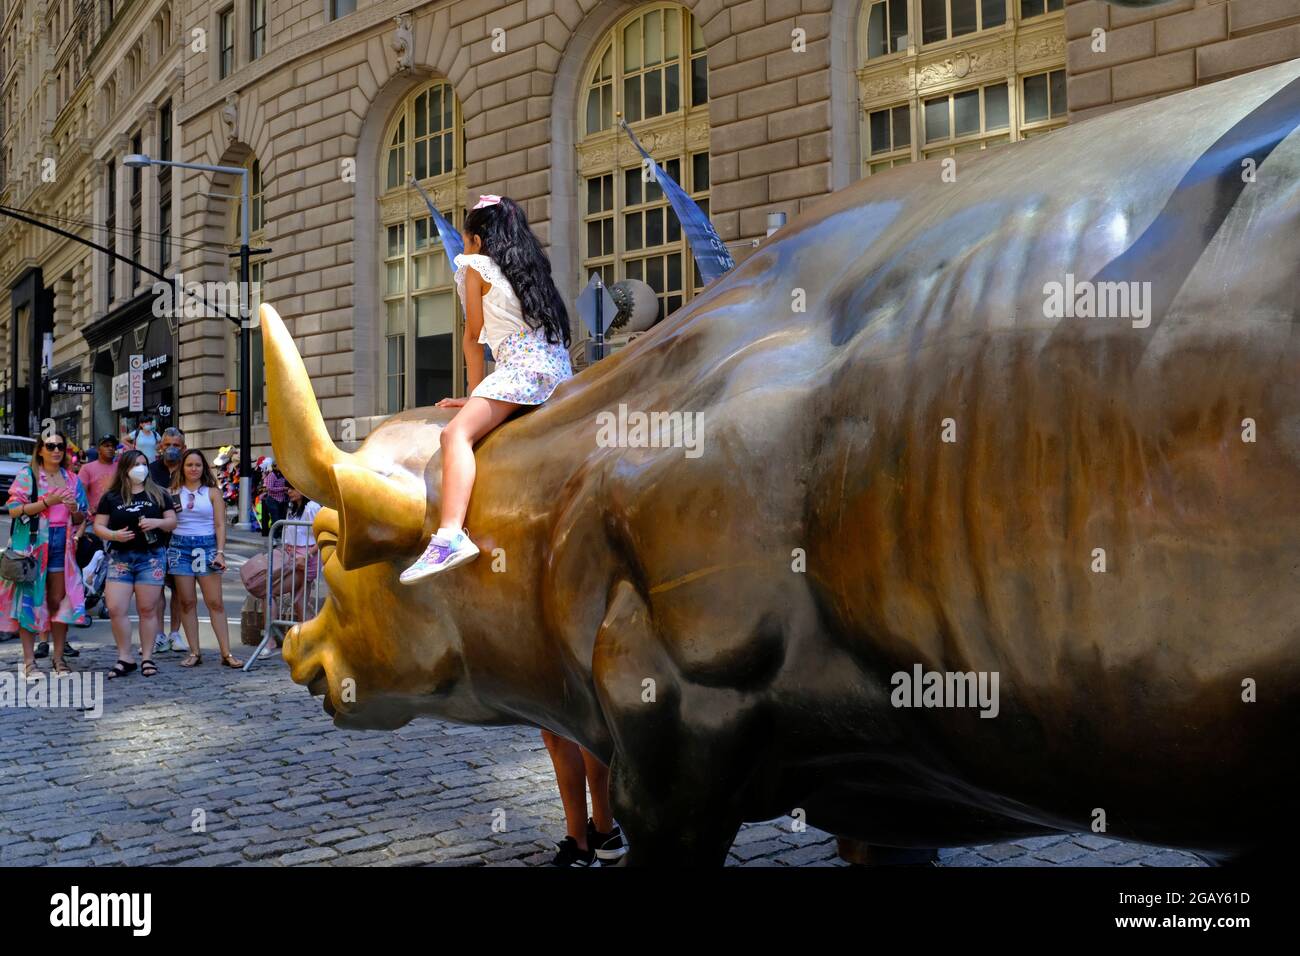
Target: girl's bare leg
(117,597)
(571,778)
(29,646)
(476,418)
(148,603)
(186,594)
(598,784)
(216,605)
(53,598)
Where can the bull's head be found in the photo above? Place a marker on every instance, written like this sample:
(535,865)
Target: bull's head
(379,653)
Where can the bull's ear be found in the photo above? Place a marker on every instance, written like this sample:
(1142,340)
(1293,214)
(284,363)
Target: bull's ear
(380,518)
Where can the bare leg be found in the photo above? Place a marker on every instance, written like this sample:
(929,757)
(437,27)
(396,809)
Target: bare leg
(216,605)
(476,418)
(29,647)
(53,598)
(571,778)
(598,784)
(178,613)
(148,602)
(185,594)
(117,597)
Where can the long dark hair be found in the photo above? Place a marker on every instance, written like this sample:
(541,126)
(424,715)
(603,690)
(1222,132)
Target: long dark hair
(122,480)
(205,479)
(295,508)
(510,243)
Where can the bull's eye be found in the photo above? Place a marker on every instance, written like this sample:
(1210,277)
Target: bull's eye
(327,542)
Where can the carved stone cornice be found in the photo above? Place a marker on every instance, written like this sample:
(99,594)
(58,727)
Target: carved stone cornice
(405,202)
(981,59)
(662,138)
(1046,47)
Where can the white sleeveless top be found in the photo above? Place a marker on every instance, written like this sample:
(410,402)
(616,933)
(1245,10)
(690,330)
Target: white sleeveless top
(196,521)
(503,314)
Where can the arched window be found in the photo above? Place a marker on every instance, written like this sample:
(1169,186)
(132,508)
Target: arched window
(257,239)
(653,68)
(917,104)
(420,354)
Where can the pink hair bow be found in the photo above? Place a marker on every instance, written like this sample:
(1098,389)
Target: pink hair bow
(488,200)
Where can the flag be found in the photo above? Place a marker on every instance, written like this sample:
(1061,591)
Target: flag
(710,252)
(451,242)
(449,234)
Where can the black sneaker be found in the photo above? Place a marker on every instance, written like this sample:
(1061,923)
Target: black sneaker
(69,650)
(570,855)
(42,650)
(609,846)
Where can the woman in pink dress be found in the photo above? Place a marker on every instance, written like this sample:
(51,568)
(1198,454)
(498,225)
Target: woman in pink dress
(47,504)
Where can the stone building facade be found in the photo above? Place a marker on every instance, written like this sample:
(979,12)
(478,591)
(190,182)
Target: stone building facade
(333,106)
(84,83)
(1158,50)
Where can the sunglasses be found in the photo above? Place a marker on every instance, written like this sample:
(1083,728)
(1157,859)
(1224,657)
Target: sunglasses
(54,446)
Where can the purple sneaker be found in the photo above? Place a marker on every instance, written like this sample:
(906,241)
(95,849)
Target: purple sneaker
(440,555)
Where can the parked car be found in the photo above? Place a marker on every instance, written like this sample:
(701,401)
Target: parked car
(15,455)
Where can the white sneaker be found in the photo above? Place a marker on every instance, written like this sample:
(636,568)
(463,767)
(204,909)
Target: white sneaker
(179,644)
(440,555)
(161,643)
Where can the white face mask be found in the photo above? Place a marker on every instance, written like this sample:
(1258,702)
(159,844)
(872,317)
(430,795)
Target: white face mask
(139,472)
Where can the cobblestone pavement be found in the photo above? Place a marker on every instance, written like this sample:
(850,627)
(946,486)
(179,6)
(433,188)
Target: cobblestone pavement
(273,782)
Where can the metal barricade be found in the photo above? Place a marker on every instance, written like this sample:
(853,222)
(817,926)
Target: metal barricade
(292,595)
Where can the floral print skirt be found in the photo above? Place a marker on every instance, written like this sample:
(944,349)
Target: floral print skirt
(528,368)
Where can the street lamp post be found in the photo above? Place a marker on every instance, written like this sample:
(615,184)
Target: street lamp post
(245,332)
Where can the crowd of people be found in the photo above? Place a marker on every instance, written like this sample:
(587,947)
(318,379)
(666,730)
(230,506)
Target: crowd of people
(154,512)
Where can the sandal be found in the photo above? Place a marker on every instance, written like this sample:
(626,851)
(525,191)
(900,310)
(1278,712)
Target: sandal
(60,666)
(194,660)
(121,669)
(148,668)
(30,671)
(230,660)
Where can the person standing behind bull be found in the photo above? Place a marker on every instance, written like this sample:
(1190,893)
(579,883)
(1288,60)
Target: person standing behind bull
(165,472)
(53,501)
(131,517)
(512,304)
(145,438)
(197,554)
(275,495)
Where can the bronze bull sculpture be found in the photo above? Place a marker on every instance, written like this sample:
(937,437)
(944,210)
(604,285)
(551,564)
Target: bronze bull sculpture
(954,460)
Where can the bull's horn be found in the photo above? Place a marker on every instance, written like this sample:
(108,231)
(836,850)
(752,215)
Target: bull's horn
(379,516)
(303,448)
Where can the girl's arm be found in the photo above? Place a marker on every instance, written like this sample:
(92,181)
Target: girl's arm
(219,519)
(102,532)
(475,289)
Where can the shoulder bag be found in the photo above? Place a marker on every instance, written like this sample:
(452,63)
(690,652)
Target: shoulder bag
(18,565)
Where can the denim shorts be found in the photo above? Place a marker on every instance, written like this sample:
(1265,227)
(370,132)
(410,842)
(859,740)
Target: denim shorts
(138,567)
(58,549)
(181,557)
